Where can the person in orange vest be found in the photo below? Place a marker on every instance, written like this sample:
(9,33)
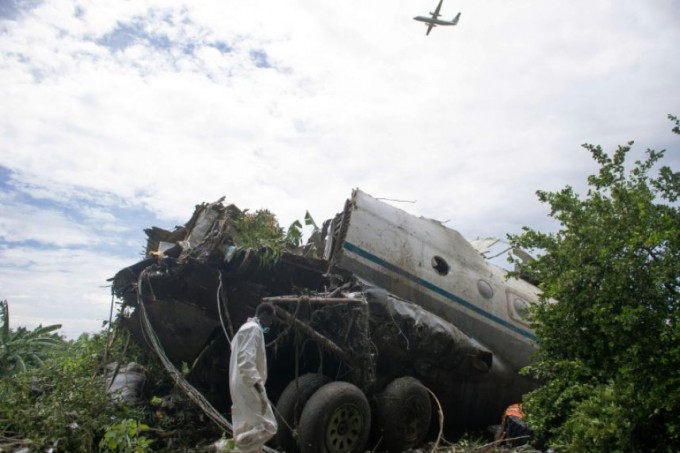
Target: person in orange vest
(514,410)
(513,430)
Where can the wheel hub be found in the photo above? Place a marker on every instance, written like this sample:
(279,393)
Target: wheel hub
(413,418)
(344,429)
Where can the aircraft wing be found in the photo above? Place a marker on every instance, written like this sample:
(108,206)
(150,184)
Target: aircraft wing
(430,26)
(436,14)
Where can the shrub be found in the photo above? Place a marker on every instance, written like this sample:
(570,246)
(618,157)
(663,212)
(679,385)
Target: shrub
(62,404)
(608,327)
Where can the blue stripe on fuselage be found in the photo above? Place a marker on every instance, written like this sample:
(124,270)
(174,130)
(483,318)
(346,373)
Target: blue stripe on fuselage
(442,292)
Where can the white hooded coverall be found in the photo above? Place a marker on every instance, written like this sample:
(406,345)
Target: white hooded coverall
(251,412)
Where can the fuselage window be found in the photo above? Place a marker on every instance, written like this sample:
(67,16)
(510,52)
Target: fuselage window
(520,307)
(484,289)
(440,265)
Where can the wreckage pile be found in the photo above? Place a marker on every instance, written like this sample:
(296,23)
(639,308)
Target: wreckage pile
(200,282)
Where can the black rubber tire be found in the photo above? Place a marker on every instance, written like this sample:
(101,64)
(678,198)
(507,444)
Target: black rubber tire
(404,414)
(290,405)
(336,419)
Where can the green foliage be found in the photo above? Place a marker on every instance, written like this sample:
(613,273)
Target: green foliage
(309,220)
(294,234)
(22,349)
(62,404)
(260,231)
(608,333)
(125,437)
(600,421)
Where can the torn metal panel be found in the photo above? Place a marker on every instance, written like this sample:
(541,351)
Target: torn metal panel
(183,303)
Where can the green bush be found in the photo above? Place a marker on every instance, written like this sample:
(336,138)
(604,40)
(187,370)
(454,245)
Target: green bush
(600,422)
(608,328)
(62,404)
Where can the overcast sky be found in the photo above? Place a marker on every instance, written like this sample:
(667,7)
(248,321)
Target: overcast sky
(119,115)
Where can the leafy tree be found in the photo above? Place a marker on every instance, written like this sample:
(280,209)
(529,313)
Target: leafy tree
(607,327)
(21,349)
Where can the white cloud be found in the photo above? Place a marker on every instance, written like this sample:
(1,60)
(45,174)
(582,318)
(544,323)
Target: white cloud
(60,286)
(47,226)
(115,106)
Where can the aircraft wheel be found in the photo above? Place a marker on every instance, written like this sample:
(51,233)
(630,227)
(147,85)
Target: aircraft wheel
(290,405)
(404,414)
(336,419)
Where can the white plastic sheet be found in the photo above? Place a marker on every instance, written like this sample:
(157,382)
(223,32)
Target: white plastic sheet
(252,416)
(125,383)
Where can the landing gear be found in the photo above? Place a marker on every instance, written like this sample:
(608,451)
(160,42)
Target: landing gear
(290,405)
(336,419)
(404,414)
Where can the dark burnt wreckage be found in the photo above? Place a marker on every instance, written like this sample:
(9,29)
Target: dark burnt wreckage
(382,317)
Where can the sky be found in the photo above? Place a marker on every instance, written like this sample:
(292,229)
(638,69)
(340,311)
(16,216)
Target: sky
(119,115)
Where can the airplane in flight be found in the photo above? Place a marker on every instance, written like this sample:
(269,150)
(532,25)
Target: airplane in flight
(432,22)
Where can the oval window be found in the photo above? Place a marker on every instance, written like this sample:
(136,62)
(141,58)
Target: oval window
(440,265)
(521,307)
(484,289)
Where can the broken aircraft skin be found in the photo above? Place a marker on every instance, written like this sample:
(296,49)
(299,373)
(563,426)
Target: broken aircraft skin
(378,306)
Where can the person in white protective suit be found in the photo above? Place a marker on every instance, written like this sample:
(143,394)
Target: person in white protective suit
(251,412)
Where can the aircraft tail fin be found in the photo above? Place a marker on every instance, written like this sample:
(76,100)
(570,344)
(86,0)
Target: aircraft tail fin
(455,19)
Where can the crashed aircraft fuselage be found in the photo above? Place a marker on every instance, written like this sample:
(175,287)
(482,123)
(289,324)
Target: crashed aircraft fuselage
(382,300)
(423,261)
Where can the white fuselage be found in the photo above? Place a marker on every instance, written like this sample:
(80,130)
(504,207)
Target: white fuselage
(431,20)
(423,261)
